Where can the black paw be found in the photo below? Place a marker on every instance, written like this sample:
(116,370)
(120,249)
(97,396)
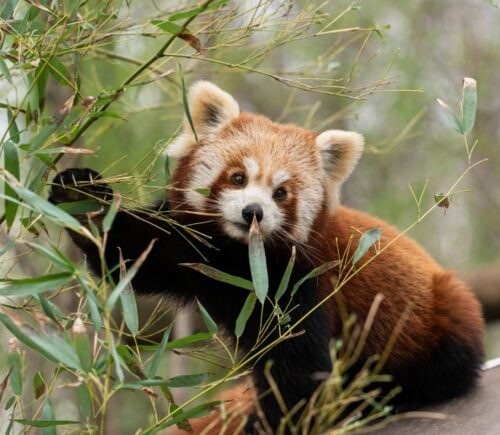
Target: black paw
(78,184)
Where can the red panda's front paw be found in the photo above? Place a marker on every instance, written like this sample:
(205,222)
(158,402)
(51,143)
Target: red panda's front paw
(79,184)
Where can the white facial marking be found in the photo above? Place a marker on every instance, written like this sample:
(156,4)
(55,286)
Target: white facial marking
(233,201)
(280,177)
(205,173)
(251,166)
(309,203)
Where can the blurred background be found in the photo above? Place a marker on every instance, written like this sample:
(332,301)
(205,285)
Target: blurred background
(372,67)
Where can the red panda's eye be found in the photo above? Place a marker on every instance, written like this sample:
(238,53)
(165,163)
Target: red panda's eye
(238,179)
(279,194)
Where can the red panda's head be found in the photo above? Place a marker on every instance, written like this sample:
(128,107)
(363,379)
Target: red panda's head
(283,174)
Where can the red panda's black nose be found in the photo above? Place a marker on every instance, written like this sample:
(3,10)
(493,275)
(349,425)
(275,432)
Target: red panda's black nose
(250,210)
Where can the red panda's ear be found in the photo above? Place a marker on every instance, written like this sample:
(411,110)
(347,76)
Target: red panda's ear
(339,152)
(210,108)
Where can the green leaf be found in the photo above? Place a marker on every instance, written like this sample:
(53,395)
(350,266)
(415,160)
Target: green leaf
(244,315)
(213,273)
(92,301)
(59,71)
(7,9)
(80,207)
(197,411)
(43,206)
(187,380)
(155,361)
(469,105)
(53,255)
(14,362)
(366,241)
(196,11)
(13,130)
(49,308)
(175,382)
(189,340)
(185,104)
(258,265)
(207,319)
(454,121)
(168,26)
(202,191)
(45,424)
(320,270)
(117,360)
(40,139)
(108,220)
(82,346)
(33,286)
(84,400)
(285,280)
(11,162)
(53,348)
(126,280)
(38,385)
(129,307)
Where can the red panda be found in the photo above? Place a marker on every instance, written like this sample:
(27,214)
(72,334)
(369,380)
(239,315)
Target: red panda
(288,179)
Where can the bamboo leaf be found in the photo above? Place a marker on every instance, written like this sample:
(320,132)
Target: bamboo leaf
(126,280)
(213,273)
(41,205)
(244,315)
(11,162)
(84,400)
(4,69)
(13,130)
(33,286)
(155,361)
(366,241)
(258,265)
(453,118)
(185,104)
(285,280)
(53,348)
(77,208)
(45,424)
(207,319)
(38,385)
(469,104)
(197,411)
(320,270)
(14,362)
(59,71)
(108,220)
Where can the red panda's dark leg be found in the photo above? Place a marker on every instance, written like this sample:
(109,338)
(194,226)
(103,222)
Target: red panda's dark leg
(130,235)
(297,363)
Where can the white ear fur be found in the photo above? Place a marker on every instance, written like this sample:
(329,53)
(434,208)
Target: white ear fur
(339,152)
(210,108)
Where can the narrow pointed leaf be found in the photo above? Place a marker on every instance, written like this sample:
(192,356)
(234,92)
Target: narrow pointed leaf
(469,105)
(320,270)
(126,280)
(245,313)
(11,162)
(258,265)
(213,273)
(33,286)
(453,118)
(366,241)
(285,280)
(155,361)
(207,319)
